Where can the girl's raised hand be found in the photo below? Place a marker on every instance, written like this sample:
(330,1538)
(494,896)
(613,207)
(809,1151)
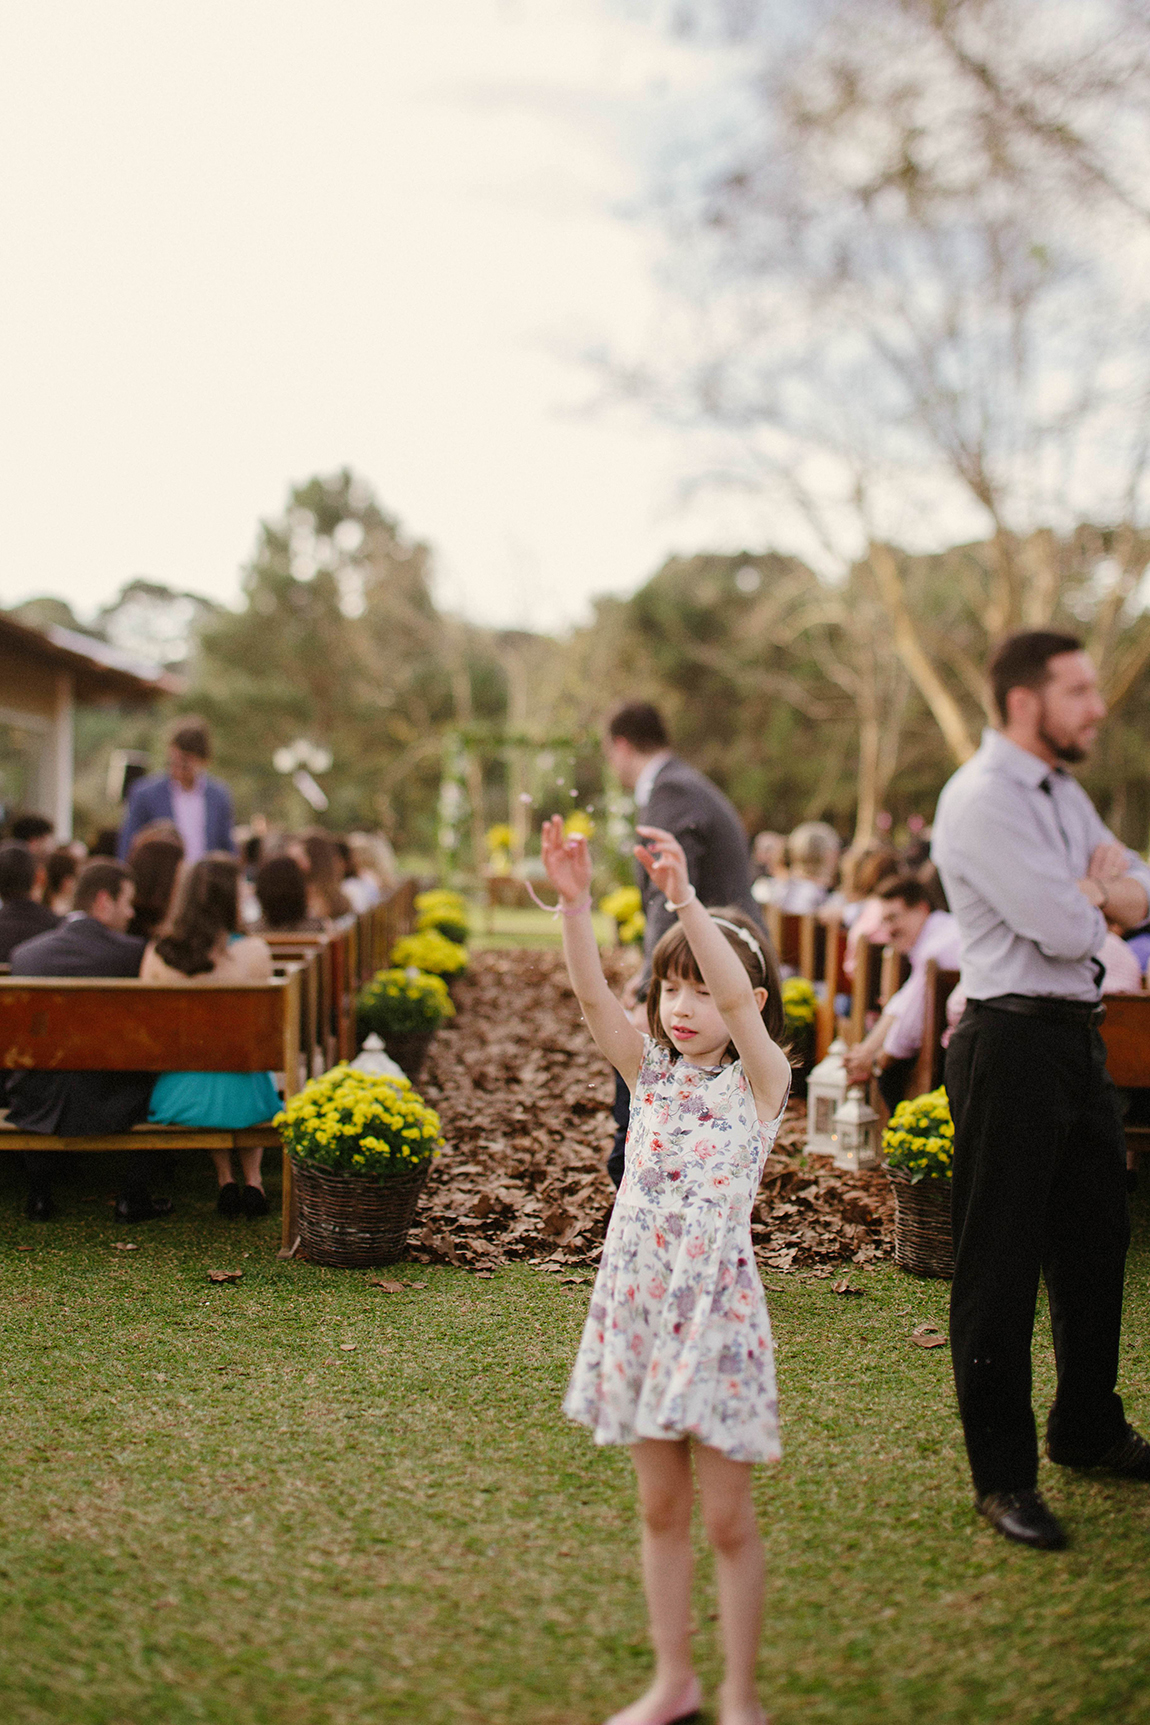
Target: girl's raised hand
(567,861)
(662,857)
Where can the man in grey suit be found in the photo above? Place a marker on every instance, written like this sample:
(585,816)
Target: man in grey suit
(670,794)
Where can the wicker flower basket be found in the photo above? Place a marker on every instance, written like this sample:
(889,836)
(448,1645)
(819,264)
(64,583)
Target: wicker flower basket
(347,1220)
(922,1238)
(409,1050)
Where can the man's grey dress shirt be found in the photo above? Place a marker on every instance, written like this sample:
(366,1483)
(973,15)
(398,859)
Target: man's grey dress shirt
(1011,837)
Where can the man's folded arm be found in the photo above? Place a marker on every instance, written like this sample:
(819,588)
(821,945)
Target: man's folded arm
(996,853)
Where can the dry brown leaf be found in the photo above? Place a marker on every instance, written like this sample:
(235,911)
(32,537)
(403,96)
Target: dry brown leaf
(927,1336)
(225,1275)
(347,1347)
(125,1246)
(844,1287)
(393,1287)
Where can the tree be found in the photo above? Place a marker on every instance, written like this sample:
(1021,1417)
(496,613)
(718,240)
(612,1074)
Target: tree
(338,641)
(922,270)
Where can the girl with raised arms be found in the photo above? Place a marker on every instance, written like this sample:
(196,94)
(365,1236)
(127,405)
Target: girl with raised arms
(676,1357)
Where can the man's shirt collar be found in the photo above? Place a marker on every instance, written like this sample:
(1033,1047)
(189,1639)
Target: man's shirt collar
(1004,756)
(645,783)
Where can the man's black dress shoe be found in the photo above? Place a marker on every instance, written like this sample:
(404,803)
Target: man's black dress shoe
(254,1201)
(1022,1516)
(141,1207)
(1130,1456)
(231,1200)
(39,1206)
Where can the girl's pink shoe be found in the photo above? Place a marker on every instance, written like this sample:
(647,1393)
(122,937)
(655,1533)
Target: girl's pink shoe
(683,1706)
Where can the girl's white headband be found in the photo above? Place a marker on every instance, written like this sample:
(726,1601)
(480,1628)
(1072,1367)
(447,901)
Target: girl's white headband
(746,937)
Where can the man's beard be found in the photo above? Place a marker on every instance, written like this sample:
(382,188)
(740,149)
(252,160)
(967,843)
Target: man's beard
(1071,753)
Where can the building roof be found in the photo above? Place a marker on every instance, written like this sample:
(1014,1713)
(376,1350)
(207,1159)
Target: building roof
(100,672)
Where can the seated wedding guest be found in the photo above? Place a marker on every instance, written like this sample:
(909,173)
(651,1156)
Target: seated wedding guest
(1121,971)
(92,942)
(912,927)
(281,891)
(205,947)
(876,865)
(62,869)
(23,878)
(813,859)
(1139,943)
(360,891)
(155,858)
(106,843)
(35,831)
(321,862)
(374,862)
(768,867)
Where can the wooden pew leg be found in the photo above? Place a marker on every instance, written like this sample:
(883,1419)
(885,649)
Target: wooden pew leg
(290,1229)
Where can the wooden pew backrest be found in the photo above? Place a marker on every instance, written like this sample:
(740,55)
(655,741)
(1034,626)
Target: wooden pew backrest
(88,1024)
(1126,1033)
(939,986)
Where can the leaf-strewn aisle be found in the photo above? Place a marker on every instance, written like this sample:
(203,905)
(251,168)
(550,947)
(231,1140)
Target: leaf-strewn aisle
(526,1098)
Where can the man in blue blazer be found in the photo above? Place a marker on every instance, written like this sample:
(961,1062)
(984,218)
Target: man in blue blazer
(200,806)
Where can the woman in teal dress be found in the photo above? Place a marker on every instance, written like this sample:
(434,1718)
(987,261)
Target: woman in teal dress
(203,947)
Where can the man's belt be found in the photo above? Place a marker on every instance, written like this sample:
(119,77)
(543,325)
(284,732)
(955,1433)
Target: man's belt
(1048,1006)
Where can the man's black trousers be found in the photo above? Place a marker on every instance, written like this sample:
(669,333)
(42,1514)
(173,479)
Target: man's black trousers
(621,1114)
(1039,1186)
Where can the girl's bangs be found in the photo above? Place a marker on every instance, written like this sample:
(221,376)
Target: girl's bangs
(675,959)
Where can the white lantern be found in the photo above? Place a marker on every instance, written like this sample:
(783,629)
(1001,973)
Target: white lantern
(857,1126)
(376,1060)
(826,1091)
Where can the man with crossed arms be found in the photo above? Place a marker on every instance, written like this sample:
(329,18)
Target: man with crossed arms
(1039,1165)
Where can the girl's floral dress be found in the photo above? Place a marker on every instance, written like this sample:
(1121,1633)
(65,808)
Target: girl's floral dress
(677,1342)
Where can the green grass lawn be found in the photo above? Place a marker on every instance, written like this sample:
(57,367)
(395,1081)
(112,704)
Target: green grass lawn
(500,926)
(300,1498)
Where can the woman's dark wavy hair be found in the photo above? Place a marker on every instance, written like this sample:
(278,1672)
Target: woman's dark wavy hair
(155,863)
(673,957)
(209,906)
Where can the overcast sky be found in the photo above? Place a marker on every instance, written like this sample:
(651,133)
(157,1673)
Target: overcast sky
(250,240)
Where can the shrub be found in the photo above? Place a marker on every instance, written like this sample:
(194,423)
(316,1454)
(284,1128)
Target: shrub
(625,907)
(430,951)
(446,923)
(441,902)
(359,1123)
(402,1003)
(919,1137)
(799,1004)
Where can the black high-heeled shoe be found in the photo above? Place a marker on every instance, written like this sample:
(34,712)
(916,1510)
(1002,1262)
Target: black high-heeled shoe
(231,1200)
(254,1201)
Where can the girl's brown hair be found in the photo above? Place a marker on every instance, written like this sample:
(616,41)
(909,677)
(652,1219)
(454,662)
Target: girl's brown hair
(673,957)
(209,906)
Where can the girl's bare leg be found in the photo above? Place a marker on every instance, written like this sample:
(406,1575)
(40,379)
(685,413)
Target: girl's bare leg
(663,1468)
(729,1517)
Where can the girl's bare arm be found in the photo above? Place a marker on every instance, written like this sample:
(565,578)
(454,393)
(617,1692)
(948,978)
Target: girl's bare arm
(568,865)
(766,1066)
